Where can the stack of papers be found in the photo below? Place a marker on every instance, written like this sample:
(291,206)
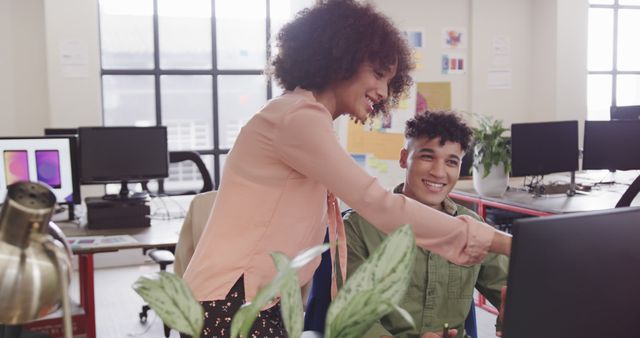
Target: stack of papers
(99,241)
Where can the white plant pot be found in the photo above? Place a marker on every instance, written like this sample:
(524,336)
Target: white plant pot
(495,184)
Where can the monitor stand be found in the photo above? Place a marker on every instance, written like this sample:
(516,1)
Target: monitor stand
(126,194)
(572,185)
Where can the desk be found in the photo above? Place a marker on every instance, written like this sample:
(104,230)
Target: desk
(520,201)
(160,234)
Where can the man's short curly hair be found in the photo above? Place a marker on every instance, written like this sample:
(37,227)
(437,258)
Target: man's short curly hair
(330,41)
(447,125)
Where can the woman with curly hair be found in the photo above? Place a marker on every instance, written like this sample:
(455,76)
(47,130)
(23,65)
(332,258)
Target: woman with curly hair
(339,57)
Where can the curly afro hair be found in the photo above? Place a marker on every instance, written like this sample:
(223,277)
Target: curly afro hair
(330,41)
(447,125)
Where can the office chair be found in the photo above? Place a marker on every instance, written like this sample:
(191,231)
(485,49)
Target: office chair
(629,194)
(192,227)
(625,113)
(163,258)
(182,156)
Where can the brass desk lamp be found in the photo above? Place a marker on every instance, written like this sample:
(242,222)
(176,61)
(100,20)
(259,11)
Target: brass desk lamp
(34,263)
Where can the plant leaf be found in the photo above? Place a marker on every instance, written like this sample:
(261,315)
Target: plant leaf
(169,296)
(380,281)
(290,295)
(286,283)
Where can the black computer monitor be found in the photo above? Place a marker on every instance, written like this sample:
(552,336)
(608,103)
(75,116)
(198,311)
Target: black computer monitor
(575,276)
(612,145)
(122,155)
(50,160)
(625,113)
(60,131)
(544,148)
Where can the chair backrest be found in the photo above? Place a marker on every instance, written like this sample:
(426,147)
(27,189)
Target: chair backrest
(192,227)
(182,156)
(625,113)
(630,194)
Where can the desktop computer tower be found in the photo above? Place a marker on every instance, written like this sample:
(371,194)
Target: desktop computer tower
(114,214)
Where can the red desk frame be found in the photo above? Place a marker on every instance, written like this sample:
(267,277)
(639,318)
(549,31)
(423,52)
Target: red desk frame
(481,210)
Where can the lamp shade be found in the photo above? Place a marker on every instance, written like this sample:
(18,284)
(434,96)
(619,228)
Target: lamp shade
(31,260)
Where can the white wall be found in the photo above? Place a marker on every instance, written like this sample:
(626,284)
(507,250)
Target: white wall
(24,106)
(511,20)
(74,90)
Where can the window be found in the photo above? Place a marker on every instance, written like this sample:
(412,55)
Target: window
(194,66)
(613,56)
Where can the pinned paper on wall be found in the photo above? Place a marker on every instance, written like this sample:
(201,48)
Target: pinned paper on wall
(454,64)
(414,37)
(380,166)
(362,140)
(501,50)
(74,58)
(454,38)
(499,79)
(433,96)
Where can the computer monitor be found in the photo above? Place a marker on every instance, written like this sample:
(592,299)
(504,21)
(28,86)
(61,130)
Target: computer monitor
(574,276)
(612,145)
(544,148)
(625,113)
(49,160)
(122,155)
(60,131)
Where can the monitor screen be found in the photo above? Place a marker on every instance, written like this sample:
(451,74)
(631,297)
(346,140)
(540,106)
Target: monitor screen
(118,154)
(60,131)
(625,113)
(49,160)
(544,148)
(574,276)
(612,145)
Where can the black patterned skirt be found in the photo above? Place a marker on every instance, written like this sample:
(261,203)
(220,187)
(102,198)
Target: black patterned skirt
(219,313)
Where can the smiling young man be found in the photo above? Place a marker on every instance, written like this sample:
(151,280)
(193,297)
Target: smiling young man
(439,291)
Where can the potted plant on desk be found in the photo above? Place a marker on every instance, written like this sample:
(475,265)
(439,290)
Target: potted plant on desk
(492,157)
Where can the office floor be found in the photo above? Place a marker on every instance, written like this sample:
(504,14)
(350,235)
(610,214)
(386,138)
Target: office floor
(117,306)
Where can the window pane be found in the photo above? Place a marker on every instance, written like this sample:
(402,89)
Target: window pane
(628,48)
(282,11)
(240,97)
(600,53)
(276,90)
(126,34)
(629,2)
(185,176)
(598,97)
(128,100)
(185,34)
(223,159)
(241,34)
(601,2)
(628,90)
(187,111)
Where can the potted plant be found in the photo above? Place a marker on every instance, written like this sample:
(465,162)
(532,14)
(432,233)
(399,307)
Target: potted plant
(492,157)
(374,290)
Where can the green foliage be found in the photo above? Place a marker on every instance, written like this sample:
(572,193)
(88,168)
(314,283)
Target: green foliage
(286,283)
(490,146)
(375,288)
(373,291)
(169,296)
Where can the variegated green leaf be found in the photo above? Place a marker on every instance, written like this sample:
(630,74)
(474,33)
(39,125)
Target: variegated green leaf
(405,315)
(244,318)
(170,297)
(290,295)
(358,315)
(385,273)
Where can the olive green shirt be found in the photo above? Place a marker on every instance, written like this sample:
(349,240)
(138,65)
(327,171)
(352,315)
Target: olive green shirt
(439,291)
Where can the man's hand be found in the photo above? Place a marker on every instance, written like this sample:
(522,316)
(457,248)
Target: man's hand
(452,333)
(503,300)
